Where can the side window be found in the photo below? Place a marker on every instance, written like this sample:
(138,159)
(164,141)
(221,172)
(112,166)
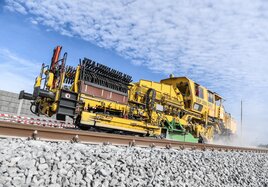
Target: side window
(198,107)
(196,90)
(218,100)
(210,97)
(199,91)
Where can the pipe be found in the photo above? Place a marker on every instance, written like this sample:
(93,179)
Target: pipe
(25,95)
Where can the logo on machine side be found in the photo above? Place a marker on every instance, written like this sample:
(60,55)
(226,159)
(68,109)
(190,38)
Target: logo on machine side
(68,96)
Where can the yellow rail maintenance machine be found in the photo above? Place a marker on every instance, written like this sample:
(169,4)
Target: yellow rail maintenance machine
(100,98)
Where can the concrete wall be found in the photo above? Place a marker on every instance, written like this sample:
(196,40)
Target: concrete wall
(9,104)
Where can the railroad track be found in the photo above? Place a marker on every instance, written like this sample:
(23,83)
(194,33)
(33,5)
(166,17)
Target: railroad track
(75,135)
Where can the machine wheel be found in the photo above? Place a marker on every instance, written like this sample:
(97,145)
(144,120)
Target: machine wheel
(201,139)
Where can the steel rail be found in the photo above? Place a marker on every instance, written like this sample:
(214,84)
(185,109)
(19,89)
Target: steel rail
(75,135)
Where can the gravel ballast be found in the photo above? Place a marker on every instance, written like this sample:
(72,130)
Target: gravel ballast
(39,163)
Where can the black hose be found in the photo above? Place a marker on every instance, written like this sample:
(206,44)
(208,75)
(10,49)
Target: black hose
(31,108)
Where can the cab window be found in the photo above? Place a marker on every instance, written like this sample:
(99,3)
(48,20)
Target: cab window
(184,88)
(185,91)
(210,97)
(198,107)
(218,100)
(199,91)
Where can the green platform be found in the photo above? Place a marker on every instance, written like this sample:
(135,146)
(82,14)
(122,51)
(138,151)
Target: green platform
(175,131)
(181,137)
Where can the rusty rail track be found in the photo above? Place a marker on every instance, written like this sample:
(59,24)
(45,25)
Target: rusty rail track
(61,134)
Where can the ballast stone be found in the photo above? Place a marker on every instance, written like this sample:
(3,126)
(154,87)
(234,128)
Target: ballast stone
(37,163)
(42,167)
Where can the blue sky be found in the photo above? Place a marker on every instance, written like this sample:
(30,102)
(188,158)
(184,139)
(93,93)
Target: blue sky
(222,45)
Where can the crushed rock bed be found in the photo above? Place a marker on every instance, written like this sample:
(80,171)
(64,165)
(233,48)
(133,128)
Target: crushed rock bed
(38,163)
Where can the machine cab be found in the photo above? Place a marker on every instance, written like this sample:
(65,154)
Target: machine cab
(183,84)
(196,97)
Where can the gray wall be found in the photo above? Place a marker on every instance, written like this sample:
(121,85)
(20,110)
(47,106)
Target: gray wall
(9,104)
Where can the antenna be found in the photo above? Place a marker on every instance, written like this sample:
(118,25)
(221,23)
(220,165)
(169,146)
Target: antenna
(241,120)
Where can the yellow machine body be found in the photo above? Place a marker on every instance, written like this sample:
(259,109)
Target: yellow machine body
(173,96)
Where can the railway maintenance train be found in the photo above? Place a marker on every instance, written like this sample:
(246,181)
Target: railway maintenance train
(98,97)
